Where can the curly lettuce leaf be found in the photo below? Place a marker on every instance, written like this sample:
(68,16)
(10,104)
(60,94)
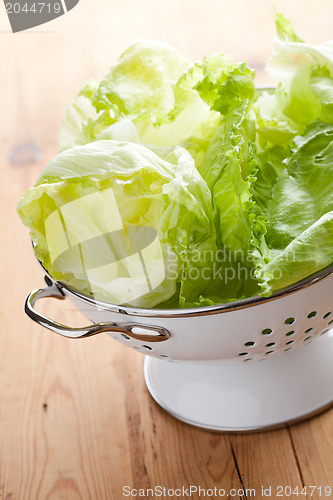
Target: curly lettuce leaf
(270,167)
(298,66)
(229,165)
(299,235)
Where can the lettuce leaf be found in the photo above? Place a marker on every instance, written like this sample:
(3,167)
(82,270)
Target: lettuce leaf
(299,234)
(298,66)
(88,198)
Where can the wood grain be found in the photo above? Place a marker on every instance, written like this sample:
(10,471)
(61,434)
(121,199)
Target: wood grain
(76,420)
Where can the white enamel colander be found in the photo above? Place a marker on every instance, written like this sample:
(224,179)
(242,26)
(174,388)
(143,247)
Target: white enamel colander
(205,365)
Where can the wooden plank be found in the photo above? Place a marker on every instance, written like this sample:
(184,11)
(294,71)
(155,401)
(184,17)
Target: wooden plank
(313,444)
(170,453)
(266,460)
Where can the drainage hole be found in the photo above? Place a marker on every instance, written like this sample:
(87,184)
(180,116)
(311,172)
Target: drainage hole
(289,321)
(125,336)
(290,333)
(290,342)
(312,314)
(266,331)
(148,347)
(249,344)
(327,315)
(308,330)
(243,354)
(269,352)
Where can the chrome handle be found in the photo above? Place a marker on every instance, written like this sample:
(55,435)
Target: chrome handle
(145,333)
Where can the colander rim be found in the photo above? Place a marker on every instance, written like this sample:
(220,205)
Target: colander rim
(194,311)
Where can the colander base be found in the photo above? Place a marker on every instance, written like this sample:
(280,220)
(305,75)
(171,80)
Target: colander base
(246,396)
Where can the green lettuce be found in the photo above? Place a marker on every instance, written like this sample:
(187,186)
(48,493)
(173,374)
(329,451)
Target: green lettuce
(180,184)
(304,72)
(300,211)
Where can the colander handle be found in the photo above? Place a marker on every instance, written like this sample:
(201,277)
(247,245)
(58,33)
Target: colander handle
(145,333)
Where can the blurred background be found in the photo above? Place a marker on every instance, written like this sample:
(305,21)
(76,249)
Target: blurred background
(44,67)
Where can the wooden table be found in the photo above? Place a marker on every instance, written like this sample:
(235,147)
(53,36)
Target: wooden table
(76,420)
